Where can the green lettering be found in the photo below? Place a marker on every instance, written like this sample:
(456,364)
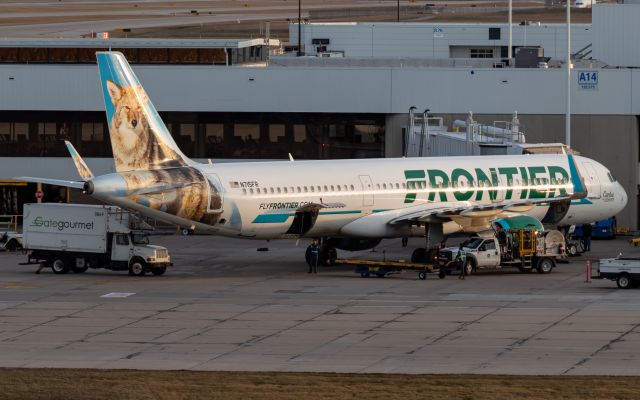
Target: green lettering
(508,172)
(483,181)
(444,180)
(413,174)
(533,172)
(560,175)
(525,182)
(455,176)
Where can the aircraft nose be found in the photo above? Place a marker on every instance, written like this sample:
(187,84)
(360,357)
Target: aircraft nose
(623,196)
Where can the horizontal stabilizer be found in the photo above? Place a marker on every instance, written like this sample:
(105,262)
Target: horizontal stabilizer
(47,181)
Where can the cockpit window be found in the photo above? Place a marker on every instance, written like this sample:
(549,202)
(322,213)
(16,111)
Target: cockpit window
(611,178)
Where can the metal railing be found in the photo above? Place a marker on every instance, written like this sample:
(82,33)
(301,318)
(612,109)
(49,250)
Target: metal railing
(10,222)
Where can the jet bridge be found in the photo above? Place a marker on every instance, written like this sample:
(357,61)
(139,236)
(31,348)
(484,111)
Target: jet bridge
(427,136)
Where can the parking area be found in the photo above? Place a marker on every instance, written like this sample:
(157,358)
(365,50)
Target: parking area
(226,306)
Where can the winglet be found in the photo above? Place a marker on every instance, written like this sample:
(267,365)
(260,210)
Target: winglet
(81,166)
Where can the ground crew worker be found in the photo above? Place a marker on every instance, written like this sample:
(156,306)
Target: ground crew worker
(501,235)
(462,262)
(586,237)
(40,267)
(311,256)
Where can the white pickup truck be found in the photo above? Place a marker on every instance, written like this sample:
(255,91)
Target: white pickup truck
(624,270)
(526,249)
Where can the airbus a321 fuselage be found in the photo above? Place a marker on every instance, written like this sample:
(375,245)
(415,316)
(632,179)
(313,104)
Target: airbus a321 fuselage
(346,199)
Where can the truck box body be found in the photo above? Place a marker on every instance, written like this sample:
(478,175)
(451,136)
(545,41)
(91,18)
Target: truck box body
(72,227)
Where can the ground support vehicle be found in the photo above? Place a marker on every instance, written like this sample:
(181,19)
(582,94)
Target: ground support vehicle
(624,270)
(605,229)
(74,237)
(381,269)
(10,241)
(526,249)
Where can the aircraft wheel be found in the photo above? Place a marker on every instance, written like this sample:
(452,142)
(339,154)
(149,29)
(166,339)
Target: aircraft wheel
(329,256)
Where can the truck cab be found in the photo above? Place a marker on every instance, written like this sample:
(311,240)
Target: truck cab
(133,250)
(480,253)
(487,254)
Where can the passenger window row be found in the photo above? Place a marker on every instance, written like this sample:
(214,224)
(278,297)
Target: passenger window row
(411,185)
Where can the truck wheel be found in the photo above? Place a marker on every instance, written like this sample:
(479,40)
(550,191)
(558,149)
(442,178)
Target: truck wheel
(136,267)
(572,249)
(59,266)
(468,266)
(422,275)
(157,271)
(623,281)
(545,265)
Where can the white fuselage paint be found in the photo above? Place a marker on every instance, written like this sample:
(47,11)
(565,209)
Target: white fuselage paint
(260,198)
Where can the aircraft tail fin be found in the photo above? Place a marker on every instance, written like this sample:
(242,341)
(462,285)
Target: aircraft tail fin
(83,170)
(139,138)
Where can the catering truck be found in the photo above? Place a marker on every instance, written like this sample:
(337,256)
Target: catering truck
(75,237)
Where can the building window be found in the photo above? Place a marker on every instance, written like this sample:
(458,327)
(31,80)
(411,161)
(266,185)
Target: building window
(92,132)
(247,132)
(481,53)
(276,133)
(300,133)
(494,33)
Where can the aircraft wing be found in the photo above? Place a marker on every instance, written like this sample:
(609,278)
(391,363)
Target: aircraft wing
(471,218)
(455,211)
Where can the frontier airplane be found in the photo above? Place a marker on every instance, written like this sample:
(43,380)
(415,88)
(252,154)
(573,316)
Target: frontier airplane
(351,204)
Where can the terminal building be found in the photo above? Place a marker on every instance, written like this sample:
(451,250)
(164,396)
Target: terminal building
(348,97)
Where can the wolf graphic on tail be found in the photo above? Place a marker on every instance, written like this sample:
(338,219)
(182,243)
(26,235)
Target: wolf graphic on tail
(144,152)
(135,144)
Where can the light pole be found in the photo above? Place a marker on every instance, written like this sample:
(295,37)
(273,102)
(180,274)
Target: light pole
(300,53)
(567,121)
(398,10)
(509,50)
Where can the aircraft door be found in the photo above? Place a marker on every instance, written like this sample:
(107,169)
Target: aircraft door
(216,198)
(367,190)
(593,181)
